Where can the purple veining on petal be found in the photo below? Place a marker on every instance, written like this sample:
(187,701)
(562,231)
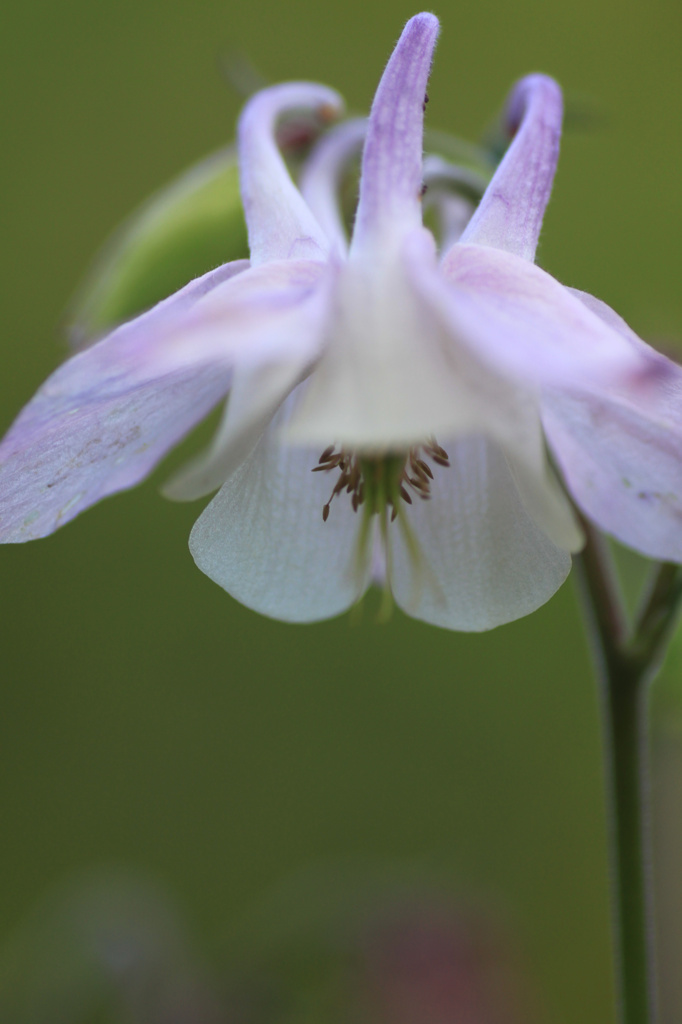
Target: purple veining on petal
(279,222)
(271,312)
(510,214)
(619,455)
(520,320)
(322,175)
(74,444)
(390,187)
(103,420)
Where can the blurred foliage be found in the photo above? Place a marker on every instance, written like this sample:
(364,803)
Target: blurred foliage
(191,226)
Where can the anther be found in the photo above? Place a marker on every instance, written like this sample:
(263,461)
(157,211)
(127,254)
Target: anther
(390,479)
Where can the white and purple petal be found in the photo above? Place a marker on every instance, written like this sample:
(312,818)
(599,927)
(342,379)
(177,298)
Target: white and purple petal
(520,320)
(390,186)
(509,216)
(619,450)
(104,419)
(255,396)
(280,224)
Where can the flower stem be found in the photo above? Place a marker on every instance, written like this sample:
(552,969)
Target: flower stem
(627,661)
(626,700)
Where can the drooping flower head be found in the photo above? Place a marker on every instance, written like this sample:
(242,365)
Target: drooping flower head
(388,405)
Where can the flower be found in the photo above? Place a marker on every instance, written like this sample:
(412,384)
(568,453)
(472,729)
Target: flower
(388,410)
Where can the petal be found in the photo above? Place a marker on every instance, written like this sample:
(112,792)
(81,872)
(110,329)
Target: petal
(620,448)
(388,376)
(510,214)
(102,421)
(613,319)
(322,176)
(255,396)
(279,343)
(393,372)
(520,319)
(620,453)
(263,539)
(482,561)
(280,224)
(97,426)
(544,497)
(270,313)
(390,185)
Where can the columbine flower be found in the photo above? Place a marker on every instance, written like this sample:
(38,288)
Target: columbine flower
(386,409)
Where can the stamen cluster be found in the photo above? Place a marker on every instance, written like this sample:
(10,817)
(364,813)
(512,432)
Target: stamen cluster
(380,482)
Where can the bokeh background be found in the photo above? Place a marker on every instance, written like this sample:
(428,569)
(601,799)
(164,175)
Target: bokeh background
(178,773)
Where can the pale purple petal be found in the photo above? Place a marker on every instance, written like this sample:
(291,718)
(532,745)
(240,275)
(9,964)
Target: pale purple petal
(390,186)
(322,176)
(97,426)
(280,224)
(510,214)
(103,420)
(482,560)
(520,320)
(613,319)
(270,313)
(620,453)
(263,538)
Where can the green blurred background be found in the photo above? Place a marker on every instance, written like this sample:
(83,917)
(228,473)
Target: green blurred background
(150,724)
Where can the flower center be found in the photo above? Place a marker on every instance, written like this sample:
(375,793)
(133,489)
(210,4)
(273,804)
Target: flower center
(381,482)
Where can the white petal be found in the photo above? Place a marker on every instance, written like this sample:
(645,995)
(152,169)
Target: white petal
(546,502)
(263,539)
(484,561)
(393,373)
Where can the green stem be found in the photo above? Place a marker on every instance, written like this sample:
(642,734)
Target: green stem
(627,664)
(626,700)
